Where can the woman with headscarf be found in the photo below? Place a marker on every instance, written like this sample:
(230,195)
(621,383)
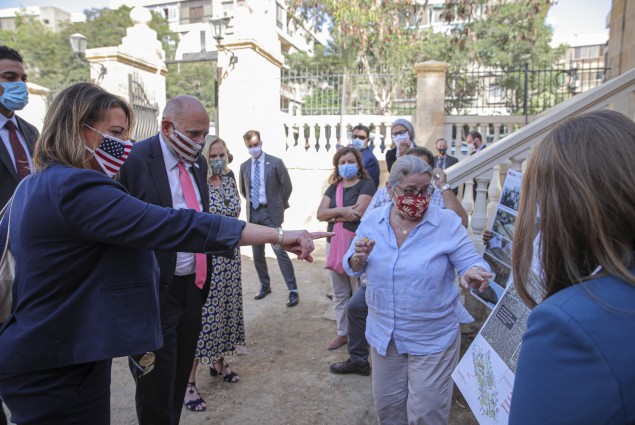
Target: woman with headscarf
(403,136)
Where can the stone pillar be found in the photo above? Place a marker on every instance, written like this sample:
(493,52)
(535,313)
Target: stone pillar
(430,115)
(140,53)
(249,62)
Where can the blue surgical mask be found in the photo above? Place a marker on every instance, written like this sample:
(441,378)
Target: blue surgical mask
(15,96)
(358,144)
(347,171)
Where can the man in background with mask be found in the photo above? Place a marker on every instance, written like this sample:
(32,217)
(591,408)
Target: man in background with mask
(18,136)
(360,141)
(443,160)
(266,186)
(168,170)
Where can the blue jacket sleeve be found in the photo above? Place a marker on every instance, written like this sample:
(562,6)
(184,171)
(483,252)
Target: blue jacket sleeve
(100,209)
(561,376)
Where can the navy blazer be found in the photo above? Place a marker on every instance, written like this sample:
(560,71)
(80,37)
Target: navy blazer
(576,357)
(86,285)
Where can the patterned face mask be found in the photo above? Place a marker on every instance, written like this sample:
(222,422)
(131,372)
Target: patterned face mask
(185,149)
(111,152)
(413,206)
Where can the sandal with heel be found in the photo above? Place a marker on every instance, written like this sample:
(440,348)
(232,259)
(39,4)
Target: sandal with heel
(196,404)
(228,376)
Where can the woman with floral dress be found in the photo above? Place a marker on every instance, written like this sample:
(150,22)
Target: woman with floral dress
(223,327)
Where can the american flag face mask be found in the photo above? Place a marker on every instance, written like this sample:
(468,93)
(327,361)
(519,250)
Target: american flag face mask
(111,153)
(185,149)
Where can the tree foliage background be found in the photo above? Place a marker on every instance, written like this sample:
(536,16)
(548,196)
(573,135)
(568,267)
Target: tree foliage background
(389,37)
(50,61)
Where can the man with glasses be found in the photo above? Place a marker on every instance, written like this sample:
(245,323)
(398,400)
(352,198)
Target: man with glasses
(403,136)
(360,141)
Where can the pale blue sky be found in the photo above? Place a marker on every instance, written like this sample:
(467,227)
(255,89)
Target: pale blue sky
(569,16)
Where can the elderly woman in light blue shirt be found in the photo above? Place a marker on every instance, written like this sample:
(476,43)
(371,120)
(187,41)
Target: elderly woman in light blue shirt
(409,250)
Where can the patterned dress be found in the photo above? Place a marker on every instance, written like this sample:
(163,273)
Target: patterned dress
(223,324)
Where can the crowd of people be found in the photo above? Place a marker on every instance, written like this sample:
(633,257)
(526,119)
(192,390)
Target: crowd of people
(132,249)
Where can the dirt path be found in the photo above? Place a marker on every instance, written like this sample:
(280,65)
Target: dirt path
(284,369)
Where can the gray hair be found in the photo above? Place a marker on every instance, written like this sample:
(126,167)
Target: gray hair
(406,165)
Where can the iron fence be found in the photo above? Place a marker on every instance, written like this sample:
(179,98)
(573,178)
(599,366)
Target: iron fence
(318,91)
(146,109)
(524,90)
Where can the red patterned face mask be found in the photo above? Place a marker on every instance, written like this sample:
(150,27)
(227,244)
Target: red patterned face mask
(413,206)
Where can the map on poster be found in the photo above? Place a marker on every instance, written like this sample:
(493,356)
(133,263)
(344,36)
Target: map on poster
(485,374)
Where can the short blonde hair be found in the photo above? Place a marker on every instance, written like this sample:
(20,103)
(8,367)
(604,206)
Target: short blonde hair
(209,142)
(61,140)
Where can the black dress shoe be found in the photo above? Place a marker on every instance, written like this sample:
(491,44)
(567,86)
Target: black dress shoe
(350,366)
(263,293)
(294,299)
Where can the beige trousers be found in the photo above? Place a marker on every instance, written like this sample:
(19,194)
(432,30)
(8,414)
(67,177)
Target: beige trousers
(414,390)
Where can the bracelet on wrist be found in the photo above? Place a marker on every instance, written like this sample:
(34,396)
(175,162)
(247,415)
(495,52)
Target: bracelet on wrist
(278,244)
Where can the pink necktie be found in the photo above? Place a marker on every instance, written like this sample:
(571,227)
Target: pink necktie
(192,203)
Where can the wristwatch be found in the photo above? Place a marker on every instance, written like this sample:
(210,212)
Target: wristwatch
(446,187)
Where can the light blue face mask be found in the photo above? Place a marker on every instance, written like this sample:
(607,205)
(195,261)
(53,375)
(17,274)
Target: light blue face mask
(15,96)
(347,171)
(358,144)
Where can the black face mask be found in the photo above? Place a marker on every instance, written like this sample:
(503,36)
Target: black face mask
(442,151)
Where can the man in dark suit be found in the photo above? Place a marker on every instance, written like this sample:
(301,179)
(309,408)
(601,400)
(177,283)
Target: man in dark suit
(18,136)
(474,142)
(167,170)
(361,140)
(265,184)
(443,160)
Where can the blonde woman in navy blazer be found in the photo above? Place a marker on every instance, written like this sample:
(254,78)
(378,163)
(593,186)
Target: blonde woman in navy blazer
(86,281)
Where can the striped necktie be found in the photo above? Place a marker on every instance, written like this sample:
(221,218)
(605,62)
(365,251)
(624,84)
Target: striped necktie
(22,166)
(255,186)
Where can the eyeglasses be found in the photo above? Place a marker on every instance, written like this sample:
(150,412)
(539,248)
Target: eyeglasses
(359,136)
(426,191)
(399,133)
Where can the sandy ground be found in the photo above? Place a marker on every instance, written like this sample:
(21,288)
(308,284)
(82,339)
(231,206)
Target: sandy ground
(284,368)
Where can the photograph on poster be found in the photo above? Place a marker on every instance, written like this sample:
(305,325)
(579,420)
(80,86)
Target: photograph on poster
(504,224)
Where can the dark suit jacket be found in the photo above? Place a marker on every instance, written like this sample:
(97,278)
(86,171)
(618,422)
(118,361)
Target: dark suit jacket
(277,187)
(145,177)
(86,285)
(449,161)
(8,175)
